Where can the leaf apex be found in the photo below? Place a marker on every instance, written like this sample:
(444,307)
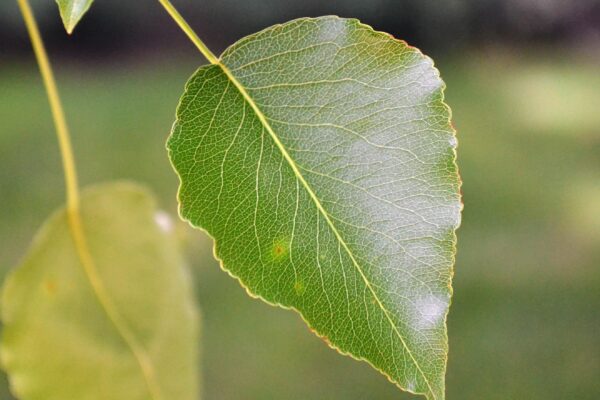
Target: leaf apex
(71,12)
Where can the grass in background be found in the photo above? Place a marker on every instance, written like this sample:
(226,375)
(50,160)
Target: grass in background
(525,321)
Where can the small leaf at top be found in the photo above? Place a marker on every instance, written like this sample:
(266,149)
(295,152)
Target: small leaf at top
(59,339)
(71,12)
(319,155)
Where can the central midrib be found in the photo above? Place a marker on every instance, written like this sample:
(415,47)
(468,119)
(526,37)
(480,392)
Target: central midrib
(321,209)
(138,351)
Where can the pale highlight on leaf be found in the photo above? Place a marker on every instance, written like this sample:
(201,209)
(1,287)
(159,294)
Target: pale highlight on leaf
(71,12)
(319,155)
(58,341)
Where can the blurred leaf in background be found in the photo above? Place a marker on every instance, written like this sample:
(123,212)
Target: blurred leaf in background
(123,325)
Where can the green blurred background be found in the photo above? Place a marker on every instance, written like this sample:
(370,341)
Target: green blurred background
(523,81)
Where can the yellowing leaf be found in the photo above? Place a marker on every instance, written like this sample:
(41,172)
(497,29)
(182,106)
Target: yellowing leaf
(319,155)
(60,342)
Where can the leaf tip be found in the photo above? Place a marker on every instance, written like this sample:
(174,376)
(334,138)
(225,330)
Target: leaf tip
(71,12)
(69,28)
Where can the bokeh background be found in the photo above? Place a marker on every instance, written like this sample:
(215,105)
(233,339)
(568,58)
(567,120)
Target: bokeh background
(523,81)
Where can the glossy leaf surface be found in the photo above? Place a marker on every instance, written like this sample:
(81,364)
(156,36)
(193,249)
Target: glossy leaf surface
(320,157)
(71,12)
(59,342)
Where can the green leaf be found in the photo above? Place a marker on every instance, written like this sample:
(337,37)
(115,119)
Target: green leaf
(319,155)
(61,342)
(71,12)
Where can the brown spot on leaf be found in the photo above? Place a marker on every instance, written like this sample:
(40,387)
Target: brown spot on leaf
(299,288)
(279,250)
(50,286)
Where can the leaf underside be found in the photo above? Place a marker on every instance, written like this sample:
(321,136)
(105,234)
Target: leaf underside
(58,341)
(71,12)
(321,158)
